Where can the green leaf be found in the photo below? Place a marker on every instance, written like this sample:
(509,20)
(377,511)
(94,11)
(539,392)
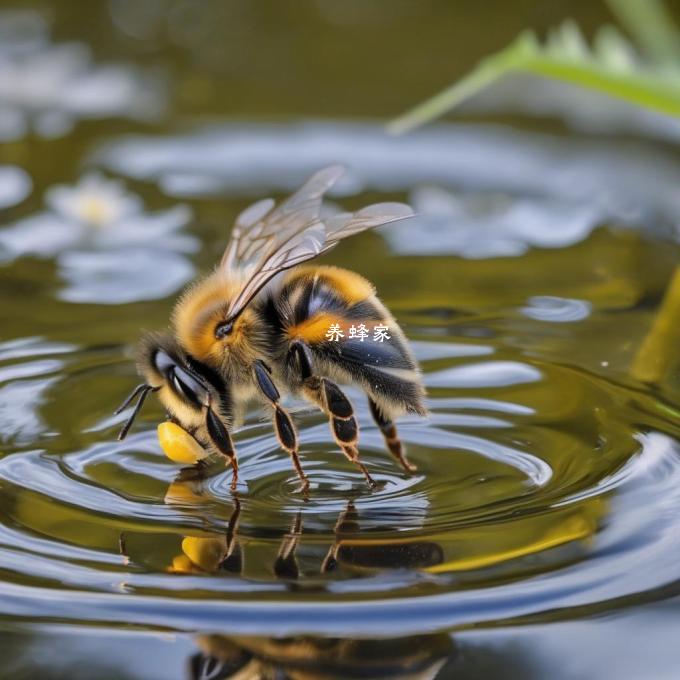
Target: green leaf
(652,26)
(611,66)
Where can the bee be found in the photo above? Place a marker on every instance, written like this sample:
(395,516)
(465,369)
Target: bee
(256,328)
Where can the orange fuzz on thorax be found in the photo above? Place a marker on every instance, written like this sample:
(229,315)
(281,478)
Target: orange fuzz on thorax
(349,285)
(199,311)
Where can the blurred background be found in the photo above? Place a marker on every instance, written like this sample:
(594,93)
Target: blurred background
(538,283)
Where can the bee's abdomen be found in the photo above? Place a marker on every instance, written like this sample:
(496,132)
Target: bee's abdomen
(316,300)
(318,297)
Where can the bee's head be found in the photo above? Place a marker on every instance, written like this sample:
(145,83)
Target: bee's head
(192,394)
(167,368)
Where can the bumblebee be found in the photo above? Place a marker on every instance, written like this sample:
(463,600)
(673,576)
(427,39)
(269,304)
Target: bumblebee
(257,327)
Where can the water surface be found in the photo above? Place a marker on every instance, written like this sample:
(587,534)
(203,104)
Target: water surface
(543,521)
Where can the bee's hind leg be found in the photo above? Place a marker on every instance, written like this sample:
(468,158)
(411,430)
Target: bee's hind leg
(332,401)
(285,430)
(345,431)
(389,431)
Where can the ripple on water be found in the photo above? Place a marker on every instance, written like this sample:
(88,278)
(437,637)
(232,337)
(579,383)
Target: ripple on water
(556,309)
(511,513)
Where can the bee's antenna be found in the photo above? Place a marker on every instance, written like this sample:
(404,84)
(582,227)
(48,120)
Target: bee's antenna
(130,397)
(142,391)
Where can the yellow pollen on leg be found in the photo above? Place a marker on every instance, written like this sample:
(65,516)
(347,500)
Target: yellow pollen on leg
(178,445)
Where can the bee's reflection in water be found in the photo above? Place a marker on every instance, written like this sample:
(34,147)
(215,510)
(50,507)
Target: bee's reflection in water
(255,658)
(225,552)
(317,550)
(308,658)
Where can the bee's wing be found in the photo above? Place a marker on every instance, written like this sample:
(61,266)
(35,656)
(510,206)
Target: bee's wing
(261,223)
(267,240)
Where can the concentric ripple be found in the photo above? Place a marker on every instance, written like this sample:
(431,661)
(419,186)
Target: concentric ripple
(537,485)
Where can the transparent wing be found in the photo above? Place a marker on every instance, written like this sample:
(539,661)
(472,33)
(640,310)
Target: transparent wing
(267,240)
(261,223)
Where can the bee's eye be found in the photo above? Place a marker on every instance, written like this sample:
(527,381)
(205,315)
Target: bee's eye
(163,361)
(223,329)
(186,385)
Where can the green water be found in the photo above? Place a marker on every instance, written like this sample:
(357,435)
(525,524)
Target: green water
(539,537)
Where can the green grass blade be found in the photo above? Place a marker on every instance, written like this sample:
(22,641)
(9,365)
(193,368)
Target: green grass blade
(652,26)
(611,69)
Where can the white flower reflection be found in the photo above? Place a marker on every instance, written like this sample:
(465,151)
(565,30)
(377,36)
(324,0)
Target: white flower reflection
(484,225)
(15,185)
(94,201)
(108,249)
(48,87)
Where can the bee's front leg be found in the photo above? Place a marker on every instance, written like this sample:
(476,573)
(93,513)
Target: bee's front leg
(285,430)
(222,441)
(332,401)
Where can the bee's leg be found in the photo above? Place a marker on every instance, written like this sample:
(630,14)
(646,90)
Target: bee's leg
(346,433)
(332,401)
(346,523)
(222,440)
(122,549)
(389,430)
(285,430)
(232,560)
(286,564)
